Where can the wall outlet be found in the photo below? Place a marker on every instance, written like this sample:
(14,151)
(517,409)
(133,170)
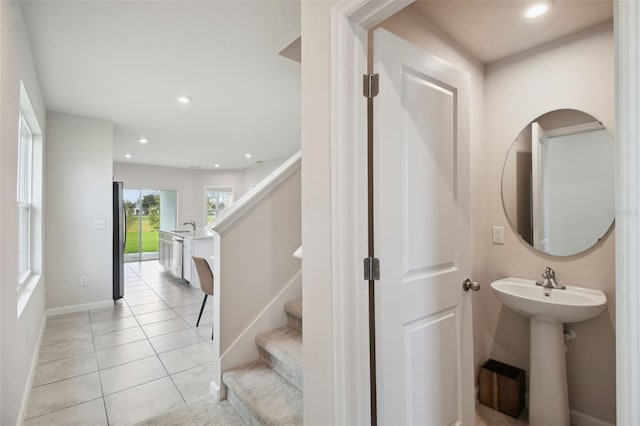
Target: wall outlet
(99,224)
(498,235)
(83,280)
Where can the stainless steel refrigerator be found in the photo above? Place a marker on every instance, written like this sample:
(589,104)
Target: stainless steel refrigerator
(119,240)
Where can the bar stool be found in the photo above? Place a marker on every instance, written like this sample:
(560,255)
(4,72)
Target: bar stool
(205,276)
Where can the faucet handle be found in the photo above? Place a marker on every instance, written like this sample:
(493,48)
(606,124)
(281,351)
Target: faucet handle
(549,273)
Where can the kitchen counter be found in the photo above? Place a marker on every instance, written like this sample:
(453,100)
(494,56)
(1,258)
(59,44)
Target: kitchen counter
(199,234)
(177,247)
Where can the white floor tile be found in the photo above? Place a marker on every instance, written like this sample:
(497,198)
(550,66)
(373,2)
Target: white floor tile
(182,301)
(149,307)
(134,301)
(55,396)
(68,322)
(188,357)
(138,294)
(132,374)
(105,327)
(51,337)
(164,327)
(122,354)
(144,401)
(119,338)
(171,341)
(111,314)
(157,316)
(66,349)
(88,413)
(65,368)
(195,382)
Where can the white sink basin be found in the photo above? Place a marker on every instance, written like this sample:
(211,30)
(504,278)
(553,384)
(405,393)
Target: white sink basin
(571,305)
(547,310)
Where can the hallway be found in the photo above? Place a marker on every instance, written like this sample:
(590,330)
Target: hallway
(120,365)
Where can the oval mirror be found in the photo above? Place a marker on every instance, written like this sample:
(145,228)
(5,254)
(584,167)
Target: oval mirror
(558,182)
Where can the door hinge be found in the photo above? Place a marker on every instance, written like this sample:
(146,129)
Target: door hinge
(370,87)
(371,269)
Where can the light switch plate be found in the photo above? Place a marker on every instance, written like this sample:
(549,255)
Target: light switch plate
(498,235)
(99,224)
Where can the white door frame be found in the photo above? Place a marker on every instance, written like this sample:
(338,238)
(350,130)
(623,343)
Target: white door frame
(350,22)
(626,16)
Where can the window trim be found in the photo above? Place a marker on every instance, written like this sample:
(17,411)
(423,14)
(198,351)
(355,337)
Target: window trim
(27,281)
(215,188)
(25,197)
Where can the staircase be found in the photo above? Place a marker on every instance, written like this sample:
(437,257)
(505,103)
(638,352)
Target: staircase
(268,391)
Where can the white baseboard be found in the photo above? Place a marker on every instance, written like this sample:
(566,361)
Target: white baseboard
(581,419)
(32,369)
(78,308)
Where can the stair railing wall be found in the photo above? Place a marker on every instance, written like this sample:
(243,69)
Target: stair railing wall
(254,270)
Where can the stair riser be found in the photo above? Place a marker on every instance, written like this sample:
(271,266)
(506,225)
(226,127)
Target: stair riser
(294,322)
(242,409)
(292,374)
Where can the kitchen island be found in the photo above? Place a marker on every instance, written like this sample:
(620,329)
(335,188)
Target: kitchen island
(177,247)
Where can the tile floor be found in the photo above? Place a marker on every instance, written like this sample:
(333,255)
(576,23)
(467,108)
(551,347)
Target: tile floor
(120,365)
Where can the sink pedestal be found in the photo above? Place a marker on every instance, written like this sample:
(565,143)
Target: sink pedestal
(548,393)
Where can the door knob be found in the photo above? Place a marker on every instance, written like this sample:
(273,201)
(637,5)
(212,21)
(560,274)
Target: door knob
(470,285)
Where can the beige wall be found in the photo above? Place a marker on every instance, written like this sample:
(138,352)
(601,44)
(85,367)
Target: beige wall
(18,335)
(78,155)
(582,78)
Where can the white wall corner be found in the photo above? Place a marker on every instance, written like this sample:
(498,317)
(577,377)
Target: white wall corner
(32,369)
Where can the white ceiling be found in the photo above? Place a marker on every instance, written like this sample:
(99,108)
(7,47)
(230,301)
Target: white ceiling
(494,29)
(128,61)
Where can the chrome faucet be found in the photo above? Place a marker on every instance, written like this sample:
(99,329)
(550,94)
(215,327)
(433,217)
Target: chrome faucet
(192,223)
(549,280)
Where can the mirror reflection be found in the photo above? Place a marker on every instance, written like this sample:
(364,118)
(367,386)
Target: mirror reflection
(558,182)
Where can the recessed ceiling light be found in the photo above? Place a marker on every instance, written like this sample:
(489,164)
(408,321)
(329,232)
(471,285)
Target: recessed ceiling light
(216,165)
(536,10)
(128,155)
(183,100)
(143,140)
(248,155)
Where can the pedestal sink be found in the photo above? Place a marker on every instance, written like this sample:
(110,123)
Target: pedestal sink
(547,310)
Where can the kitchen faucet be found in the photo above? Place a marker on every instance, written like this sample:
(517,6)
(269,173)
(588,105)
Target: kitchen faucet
(192,223)
(549,280)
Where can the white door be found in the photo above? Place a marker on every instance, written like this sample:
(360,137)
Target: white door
(539,148)
(424,344)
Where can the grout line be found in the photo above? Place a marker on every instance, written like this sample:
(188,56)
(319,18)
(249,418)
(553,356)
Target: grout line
(95,352)
(60,409)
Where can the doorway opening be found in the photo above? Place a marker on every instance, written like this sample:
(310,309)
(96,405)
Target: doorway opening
(147,212)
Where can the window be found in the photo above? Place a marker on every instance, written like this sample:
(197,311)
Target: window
(25,191)
(217,199)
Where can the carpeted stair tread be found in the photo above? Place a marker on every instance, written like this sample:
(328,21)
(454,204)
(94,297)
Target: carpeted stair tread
(262,396)
(294,308)
(281,349)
